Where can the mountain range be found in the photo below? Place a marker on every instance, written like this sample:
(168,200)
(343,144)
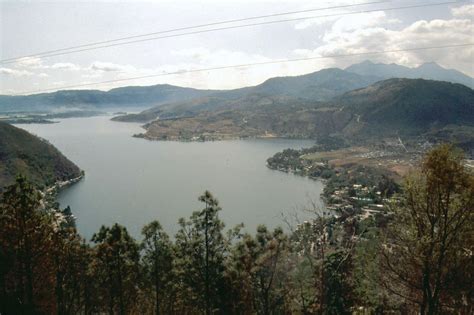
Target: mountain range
(429,71)
(318,86)
(311,88)
(388,108)
(131,96)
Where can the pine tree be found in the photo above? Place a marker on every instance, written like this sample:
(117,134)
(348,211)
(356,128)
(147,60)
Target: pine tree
(25,239)
(257,268)
(116,267)
(71,259)
(200,250)
(157,257)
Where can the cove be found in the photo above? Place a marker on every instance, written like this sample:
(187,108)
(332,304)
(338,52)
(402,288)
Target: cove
(134,181)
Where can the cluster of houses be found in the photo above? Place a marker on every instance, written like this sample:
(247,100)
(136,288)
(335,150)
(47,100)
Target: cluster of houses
(357,198)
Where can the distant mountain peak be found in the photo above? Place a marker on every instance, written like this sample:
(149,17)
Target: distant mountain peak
(429,70)
(431,64)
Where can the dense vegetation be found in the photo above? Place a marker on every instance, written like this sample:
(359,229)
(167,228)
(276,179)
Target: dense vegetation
(23,153)
(291,159)
(417,259)
(408,107)
(378,182)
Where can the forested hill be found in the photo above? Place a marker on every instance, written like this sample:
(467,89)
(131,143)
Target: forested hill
(23,153)
(407,106)
(321,85)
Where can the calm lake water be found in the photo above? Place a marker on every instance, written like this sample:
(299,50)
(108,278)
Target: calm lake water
(133,181)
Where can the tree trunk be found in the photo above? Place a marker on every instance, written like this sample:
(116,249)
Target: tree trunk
(157,283)
(322,297)
(120,288)
(29,284)
(208,302)
(59,292)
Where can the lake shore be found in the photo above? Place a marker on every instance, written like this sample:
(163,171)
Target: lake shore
(58,186)
(162,179)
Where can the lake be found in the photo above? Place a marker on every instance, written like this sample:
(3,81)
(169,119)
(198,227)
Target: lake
(133,181)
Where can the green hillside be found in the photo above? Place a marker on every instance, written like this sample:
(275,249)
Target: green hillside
(408,106)
(23,153)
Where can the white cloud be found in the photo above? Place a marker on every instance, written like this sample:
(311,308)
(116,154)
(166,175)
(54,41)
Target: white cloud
(15,72)
(110,67)
(36,63)
(314,22)
(465,11)
(91,75)
(352,40)
(65,66)
(347,20)
(29,62)
(219,57)
(354,22)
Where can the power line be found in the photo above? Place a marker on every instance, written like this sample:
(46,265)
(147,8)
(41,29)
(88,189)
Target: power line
(12,60)
(191,27)
(247,65)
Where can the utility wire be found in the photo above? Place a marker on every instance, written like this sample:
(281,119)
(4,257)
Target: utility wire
(247,65)
(237,26)
(190,27)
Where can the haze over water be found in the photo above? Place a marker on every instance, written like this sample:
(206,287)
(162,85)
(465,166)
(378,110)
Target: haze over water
(133,181)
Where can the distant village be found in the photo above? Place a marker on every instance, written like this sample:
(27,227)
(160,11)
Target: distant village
(360,182)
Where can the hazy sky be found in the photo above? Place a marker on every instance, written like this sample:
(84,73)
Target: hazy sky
(28,27)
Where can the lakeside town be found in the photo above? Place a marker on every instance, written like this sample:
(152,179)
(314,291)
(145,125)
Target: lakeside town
(359,181)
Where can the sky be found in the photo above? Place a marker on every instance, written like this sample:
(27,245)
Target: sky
(31,27)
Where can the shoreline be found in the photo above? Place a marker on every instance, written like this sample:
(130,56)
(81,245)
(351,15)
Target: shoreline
(53,190)
(300,174)
(207,138)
